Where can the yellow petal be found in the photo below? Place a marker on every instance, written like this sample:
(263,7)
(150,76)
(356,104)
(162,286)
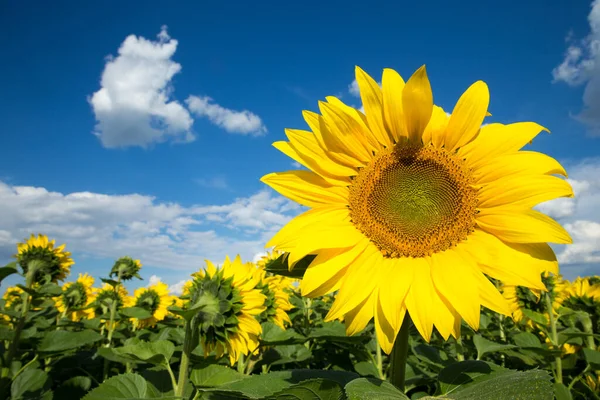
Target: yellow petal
(418,300)
(523,191)
(372,99)
(454,277)
(490,297)
(436,128)
(522,226)
(386,334)
(347,134)
(325,272)
(392,86)
(359,118)
(306,188)
(336,146)
(497,139)
(395,281)
(467,116)
(529,162)
(359,317)
(417,104)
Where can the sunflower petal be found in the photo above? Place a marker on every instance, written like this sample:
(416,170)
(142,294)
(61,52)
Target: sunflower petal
(522,162)
(393,85)
(306,188)
(372,99)
(417,104)
(467,116)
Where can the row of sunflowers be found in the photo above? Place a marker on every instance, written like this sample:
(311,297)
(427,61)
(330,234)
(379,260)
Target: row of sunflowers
(252,320)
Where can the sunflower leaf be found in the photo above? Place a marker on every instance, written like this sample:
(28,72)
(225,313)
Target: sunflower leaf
(214,375)
(312,389)
(55,341)
(136,312)
(592,357)
(485,346)
(32,384)
(8,270)
(158,352)
(126,386)
(372,389)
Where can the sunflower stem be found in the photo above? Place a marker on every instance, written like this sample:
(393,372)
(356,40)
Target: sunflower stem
(554,338)
(399,355)
(185,359)
(459,349)
(111,325)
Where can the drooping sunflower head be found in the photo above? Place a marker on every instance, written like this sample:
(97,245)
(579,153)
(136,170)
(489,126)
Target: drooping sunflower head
(581,295)
(412,209)
(277,290)
(76,298)
(268,258)
(106,297)
(126,268)
(55,261)
(155,299)
(231,326)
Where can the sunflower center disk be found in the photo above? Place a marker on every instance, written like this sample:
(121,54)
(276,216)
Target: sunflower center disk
(413,201)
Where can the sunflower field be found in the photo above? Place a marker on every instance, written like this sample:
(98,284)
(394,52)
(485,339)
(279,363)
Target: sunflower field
(417,219)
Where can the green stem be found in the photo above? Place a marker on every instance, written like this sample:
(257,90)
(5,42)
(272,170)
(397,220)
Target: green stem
(173,380)
(459,349)
(24,367)
(554,338)
(240,364)
(399,355)
(111,325)
(185,360)
(578,377)
(379,361)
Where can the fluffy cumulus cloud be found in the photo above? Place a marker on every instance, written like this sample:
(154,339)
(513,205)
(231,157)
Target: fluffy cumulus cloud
(581,66)
(133,106)
(241,122)
(163,235)
(581,217)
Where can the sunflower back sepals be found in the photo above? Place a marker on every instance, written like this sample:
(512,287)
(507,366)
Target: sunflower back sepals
(126,268)
(281,266)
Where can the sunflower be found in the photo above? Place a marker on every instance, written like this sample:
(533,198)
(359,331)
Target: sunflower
(233,328)
(277,296)
(13,298)
(57,261)
(155,299)
(522,298)
(581,295)
(104,299)
(410,208)
(126,268)
(76,298)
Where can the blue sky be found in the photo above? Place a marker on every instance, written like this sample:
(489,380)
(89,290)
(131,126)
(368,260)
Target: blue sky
(181,183)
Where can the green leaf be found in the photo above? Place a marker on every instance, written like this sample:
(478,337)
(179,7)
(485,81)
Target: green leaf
(110,355)
(31,384)
(55,341)
(207,303)
(485,346)
(366,368)
(526,339)
(562,392)
(74,388)
(111,282)
(136,312)
(265,385)
(280,267)
(335,331)
(273,335)
(372,389)
(125,386)
(592,357)
(214,375)
(478,380)
(49,290)
(312,389)
(536,317)
(158,352)
(8,270)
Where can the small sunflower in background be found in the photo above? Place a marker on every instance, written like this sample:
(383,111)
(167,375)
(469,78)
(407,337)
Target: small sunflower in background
(522,298)
(582,295)
(76,298)
(155,299)
(126,268)
(232,327)
(13,298)
(56,261)
(411,208)
(105,298)
(277,297)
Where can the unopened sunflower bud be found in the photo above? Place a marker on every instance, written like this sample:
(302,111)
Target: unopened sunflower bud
(126,268)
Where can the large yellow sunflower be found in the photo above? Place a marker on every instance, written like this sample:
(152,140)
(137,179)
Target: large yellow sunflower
(410,208)
(76,298)
(233,329)
(155,299)
(57,261)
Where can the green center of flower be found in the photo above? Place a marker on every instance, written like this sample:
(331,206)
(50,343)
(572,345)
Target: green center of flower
(413,201)
(74,296)
(149,300)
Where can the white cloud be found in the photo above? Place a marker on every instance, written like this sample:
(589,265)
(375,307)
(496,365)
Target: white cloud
(353,89)
(241,122)
(215,182)
(133,107)
(580,216)
(581,65)
(177,288)
(153,280)
(162,235)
